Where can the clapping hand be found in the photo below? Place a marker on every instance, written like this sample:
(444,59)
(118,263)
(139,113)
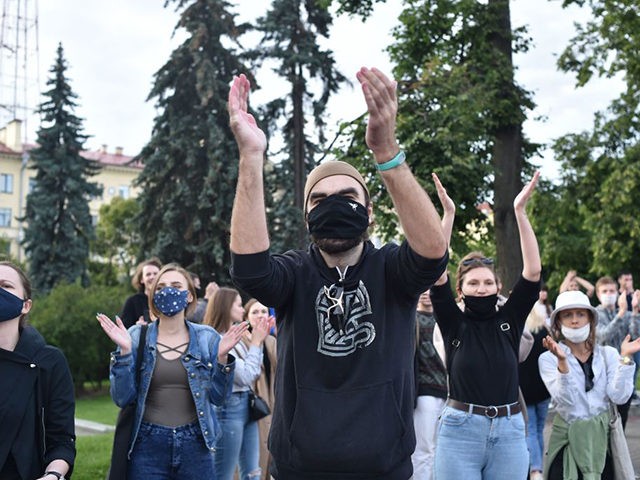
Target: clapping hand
(230,339)
(251,140)
(382,104)
(116,332)
(628,347)
(553,346)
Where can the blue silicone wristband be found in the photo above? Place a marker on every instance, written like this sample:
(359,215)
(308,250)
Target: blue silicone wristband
(393,163)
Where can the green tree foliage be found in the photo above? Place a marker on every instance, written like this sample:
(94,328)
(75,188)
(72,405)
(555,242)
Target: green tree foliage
(292,30)
(190,162)
(606,161)
(117,241)
(67,319)
(59,227)
(461,112)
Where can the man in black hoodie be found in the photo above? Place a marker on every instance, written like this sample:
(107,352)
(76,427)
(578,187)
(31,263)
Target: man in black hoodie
(345,309)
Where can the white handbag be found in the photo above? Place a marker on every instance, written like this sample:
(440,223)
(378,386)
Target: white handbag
(622,465)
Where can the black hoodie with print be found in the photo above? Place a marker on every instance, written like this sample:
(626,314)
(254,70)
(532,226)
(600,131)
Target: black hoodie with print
(344,400)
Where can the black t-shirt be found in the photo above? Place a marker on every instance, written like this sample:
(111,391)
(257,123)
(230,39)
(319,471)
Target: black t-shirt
(136,306)
(484,366)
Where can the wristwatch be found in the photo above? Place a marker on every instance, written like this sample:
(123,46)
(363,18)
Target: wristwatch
(626,360)
(58,475)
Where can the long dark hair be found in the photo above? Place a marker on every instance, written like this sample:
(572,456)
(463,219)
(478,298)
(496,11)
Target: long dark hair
(218,312)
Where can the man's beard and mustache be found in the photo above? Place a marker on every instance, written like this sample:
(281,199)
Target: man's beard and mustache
(334,246)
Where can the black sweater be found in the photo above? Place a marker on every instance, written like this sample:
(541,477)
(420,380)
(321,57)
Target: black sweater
(484,368)
(344,402)
(37,406)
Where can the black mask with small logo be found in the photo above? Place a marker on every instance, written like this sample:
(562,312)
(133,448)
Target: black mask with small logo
(338,217)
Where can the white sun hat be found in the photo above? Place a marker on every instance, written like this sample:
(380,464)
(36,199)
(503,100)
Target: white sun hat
(573,299)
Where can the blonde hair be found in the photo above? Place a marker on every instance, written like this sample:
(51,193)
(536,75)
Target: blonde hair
(535,322)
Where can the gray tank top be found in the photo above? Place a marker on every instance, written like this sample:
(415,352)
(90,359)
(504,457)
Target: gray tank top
(169,401)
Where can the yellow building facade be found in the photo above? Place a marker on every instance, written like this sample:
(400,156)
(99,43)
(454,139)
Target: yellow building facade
(17,177)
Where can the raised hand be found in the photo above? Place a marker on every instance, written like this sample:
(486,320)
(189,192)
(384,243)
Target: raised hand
(230,339)
(628,347)
(551,345)
(250,139)
(447,203)
(116,332)
(382,105)
(520,202)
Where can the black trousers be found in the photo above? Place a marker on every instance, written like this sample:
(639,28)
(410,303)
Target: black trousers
(556,468)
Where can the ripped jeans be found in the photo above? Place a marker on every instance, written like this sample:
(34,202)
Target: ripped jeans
(239,444)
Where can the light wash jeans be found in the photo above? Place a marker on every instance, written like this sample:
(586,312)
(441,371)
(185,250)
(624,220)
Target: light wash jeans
(166,453)
(535,433)
(475,447)
(239,444)
(425,422)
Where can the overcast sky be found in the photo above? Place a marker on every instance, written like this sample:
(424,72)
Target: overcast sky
(114,47)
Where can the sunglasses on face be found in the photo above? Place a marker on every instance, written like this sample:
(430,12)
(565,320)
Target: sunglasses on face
(482,261)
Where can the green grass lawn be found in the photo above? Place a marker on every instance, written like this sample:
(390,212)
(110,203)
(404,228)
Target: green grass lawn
(97,408)
(93,456)
(94,451)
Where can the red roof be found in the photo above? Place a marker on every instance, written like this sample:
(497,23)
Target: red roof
(100,156)
(106,158)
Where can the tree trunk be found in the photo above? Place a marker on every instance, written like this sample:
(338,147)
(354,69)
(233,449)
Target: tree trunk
(507,156)
(299,170)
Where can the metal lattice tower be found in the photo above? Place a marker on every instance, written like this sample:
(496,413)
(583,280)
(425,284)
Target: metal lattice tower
(19,62)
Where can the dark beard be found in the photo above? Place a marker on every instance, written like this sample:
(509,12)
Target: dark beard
(333,246)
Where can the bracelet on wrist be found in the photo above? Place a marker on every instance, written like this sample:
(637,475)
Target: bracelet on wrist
(393,163)
(626,360)
(58,475)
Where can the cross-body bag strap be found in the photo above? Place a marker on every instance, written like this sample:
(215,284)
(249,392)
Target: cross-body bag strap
(141,343)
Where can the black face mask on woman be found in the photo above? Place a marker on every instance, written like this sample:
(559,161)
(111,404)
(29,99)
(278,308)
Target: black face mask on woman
(10,305)
(338,217)
(481,306)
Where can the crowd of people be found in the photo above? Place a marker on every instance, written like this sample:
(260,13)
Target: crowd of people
(370,364)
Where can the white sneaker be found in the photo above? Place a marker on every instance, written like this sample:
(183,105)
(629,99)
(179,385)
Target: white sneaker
(536,476)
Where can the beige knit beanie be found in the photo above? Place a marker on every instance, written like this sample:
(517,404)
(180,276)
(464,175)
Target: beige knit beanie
(328,169)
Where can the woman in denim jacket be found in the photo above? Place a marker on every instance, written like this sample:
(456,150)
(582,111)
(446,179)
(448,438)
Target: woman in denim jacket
(185,371)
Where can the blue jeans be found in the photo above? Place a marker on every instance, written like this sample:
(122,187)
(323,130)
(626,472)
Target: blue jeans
(239,443)
(535,433)
(165,453)
(475,447)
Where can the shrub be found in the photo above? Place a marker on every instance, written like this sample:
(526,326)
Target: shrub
(66,317)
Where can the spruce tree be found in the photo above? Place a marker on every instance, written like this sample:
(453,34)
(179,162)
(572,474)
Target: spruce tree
(59,226)
(191,161)
(291,33)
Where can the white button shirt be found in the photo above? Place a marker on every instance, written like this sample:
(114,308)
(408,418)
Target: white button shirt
(611,381)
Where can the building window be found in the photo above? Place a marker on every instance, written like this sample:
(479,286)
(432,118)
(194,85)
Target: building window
(6,183)
(5,217)
(32,184)
(123,191)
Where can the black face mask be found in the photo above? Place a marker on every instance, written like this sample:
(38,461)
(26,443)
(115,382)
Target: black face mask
(338,217)
(481,306)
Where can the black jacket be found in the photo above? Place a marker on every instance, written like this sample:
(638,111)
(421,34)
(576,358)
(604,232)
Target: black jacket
(36,406)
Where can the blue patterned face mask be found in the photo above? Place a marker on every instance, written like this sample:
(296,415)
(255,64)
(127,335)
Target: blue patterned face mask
(171,301)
